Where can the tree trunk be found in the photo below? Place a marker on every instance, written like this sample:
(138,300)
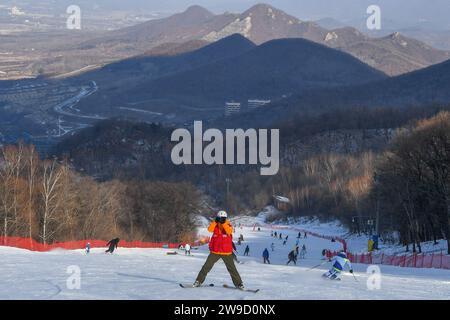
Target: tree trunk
(5,226)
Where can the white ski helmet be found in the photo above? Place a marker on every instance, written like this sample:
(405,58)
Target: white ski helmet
(222,214)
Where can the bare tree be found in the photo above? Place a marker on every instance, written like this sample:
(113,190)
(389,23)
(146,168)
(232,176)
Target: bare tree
(51,179)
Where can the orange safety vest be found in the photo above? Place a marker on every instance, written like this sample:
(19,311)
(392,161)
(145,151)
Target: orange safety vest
(221,239)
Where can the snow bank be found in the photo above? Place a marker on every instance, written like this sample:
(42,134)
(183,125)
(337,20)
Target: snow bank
(152,274)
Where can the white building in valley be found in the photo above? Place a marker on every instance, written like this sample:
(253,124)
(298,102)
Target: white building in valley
(256,103)
(232,108)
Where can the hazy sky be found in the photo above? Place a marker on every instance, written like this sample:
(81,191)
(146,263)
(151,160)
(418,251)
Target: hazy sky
(398,13)
(402,12)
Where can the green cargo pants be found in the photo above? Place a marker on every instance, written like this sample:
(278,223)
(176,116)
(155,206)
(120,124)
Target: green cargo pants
(229,263)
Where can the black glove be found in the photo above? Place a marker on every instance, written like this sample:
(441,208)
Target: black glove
(351,271)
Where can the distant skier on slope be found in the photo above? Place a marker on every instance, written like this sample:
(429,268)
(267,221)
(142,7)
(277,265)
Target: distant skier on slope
(221,247)
(265,256)
(292,257)
(339,263)
(247,250)
(303,252)
(187,249)
(325,254)
(113,244)
(272,246)
(88,248)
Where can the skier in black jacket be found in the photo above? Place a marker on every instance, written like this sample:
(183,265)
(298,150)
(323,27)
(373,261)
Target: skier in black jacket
(292,257)
(112,245)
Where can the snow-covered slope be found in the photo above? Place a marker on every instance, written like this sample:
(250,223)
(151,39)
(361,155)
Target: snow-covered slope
(152,274)
(356,244)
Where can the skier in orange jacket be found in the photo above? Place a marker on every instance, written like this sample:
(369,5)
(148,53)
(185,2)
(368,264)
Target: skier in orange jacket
(220,247)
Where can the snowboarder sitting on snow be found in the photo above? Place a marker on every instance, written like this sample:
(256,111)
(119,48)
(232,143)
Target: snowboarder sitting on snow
(292,257)
(221,247)
(265,256)
(112,245)
(339,263)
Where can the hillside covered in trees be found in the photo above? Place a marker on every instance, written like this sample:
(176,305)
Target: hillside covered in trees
(48,201)
(117,179)
(329,161)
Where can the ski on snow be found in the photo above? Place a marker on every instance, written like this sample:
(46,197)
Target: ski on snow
(187,286)
(246,290)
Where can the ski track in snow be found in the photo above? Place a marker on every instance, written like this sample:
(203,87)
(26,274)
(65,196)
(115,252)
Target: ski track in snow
(152,274)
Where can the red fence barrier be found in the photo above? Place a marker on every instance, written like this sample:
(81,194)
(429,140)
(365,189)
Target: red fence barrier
(33,245)
(437,261)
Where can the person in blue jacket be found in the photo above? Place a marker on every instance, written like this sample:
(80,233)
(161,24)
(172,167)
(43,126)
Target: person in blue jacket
(266,256)
(88,248)
(340,261)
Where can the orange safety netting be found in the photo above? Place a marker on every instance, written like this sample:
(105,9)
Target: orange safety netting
(33,245)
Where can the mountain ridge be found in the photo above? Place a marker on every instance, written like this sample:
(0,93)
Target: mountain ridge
(262,23)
